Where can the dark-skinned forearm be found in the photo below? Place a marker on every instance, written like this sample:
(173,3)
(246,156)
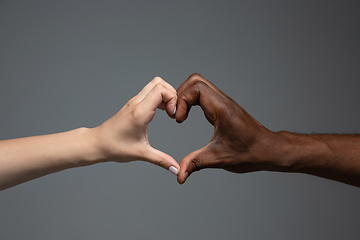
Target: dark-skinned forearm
(330,156)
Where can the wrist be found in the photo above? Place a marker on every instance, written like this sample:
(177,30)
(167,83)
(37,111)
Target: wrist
(90,148)
(298,152)
(272,151)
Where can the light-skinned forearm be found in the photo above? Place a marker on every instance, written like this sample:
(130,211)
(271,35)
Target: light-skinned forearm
(122,138)
(24,159)
(330,156)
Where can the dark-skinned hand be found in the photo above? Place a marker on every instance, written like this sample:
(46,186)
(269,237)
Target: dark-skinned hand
(239,144)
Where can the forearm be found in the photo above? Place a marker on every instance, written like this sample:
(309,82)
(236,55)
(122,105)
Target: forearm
(330,156)
(28,158)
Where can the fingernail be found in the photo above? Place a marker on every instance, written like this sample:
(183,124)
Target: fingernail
(186,174)
(174,110)
(173,170)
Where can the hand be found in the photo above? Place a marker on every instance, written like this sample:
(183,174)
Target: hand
(239,144)
(124,137)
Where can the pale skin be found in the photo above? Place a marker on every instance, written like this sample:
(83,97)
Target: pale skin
(241,144)
(122,138)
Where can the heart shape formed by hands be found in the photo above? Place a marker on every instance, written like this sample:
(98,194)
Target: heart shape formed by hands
(239,142)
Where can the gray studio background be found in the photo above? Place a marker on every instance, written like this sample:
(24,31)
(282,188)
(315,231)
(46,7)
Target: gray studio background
(293,65)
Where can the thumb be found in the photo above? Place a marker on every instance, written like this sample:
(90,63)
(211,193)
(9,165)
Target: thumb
(195,161)
(161,159)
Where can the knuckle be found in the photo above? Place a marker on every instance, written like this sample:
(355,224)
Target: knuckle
(195,76)
(158,79)
(159,86)
(137,112)
(183,103)
(197,164)
(130,102)
(182,98)
(161,162)
(200,84)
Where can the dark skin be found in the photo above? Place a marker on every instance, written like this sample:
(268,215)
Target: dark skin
(240,144)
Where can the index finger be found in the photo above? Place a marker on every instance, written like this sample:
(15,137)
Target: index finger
(199,93)
(195,77)
(147,89)
(158,95)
